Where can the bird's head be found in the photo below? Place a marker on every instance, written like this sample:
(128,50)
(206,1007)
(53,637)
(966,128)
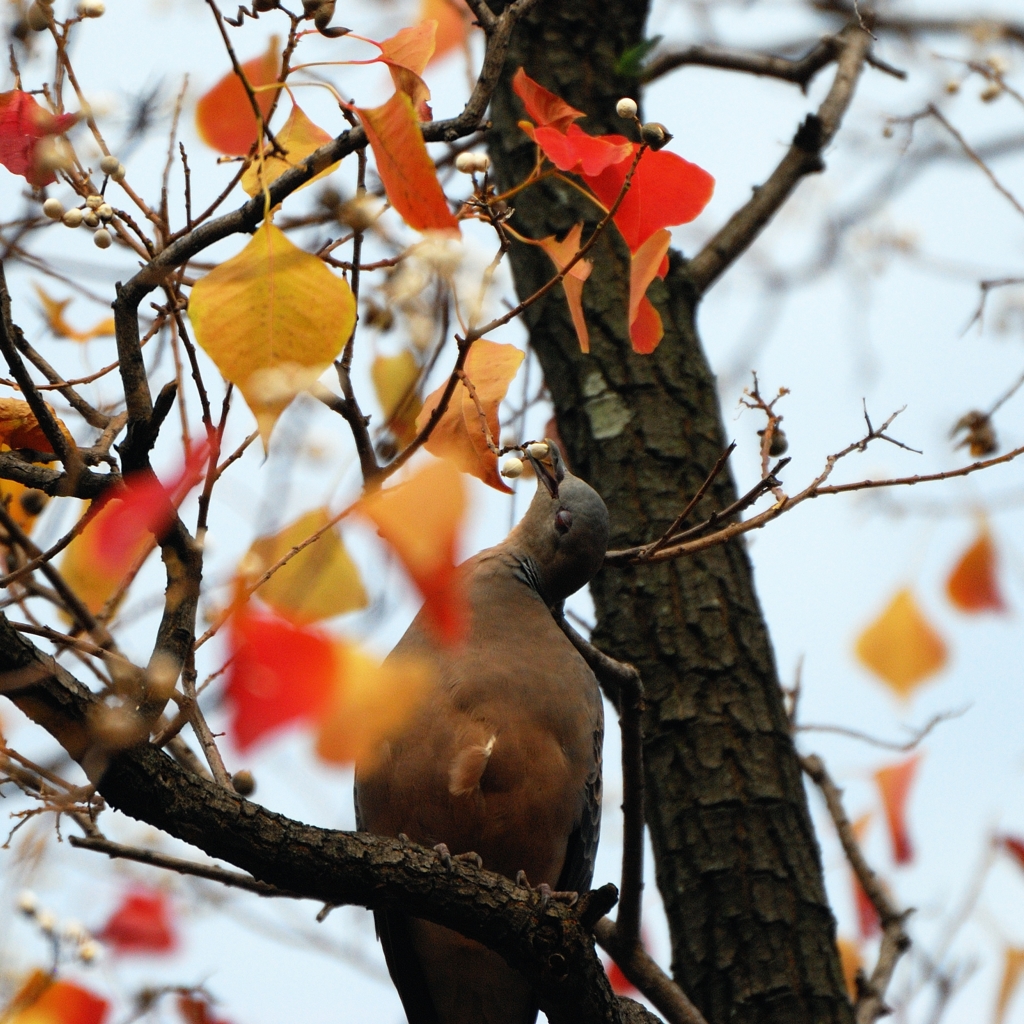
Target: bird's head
(564,533)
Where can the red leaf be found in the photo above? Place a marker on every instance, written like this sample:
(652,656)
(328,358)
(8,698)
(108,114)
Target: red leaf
(195,1010)
(544,107)
(1014,847)
(405,167)
(23,125)
(141,924)
(621,985)
(224,115)
(867,916)
(583,154)
(41,1000)
(279,674)
(894,783)
(647,330)
(973,585)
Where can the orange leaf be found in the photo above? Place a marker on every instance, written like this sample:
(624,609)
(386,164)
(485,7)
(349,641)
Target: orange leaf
(53,311)
(197,1010)
(405,167)
(23,503)
(407,53)
(141,924)
(560,254)
(894,784)
(19,427)
(643,269)
(459,435)
(421,519)
(24,128)
(41,1000)
(852,962)
(544,106)
(298,137)
(1013,965)
(279,674)
(453,22)
(647,330)
(901,647)
(973,585)
(224,115)
(395,379)
(371,703)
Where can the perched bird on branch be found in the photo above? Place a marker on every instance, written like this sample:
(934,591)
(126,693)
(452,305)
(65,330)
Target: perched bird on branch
(504,759)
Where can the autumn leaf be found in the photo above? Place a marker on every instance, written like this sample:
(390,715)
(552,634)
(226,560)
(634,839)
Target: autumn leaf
(298,137)
(546,109)
(901,647)
(25,127)
(320,582)
(224,115)
(271,318)
(621,985)
(453,19)
(42,1000)
(421,519)
(24,504)
(867,916)
(894,783)
(395,379)
(370,704)
(560,253)
(195,1009)
(646,331)
(404,165)
(1014,847)
(973,585)
(19,427)
(459,434)
(53,311)
(851,962)
(142,923)
(279,674)
(406,54)
(1013,965)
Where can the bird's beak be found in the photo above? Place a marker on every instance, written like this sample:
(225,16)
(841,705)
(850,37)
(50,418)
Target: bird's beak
(549,469)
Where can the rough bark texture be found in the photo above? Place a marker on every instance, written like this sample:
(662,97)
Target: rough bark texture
(737,859)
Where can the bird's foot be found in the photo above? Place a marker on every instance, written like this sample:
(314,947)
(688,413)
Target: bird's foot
(445,856)
(547,894)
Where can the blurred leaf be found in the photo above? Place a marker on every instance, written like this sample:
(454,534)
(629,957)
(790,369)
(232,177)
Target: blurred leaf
(298,137)
(894,783)
(852,962)
(560,253)
(24,125)
(224,116)
(142,923)
(53,311)
(973,585)
(23,503)
(19,427)
(395,379)
(370,704)
(41,1000)
(321,581)
(1013,965)
(452,24)
(631,61)
(280,674)
(1014,847)
(867,917)
(459,434)
(271,318)
(404,165)
(407,53)
(421,519)
(901,647)
(196,1010)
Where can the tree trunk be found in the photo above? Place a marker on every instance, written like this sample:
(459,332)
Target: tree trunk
(738,864)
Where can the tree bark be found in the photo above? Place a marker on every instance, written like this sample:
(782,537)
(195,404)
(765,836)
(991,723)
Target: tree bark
(738,864)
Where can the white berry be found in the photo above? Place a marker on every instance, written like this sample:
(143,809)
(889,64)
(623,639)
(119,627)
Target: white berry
(88,951)
(466,163)
(94,202)
(53,208)
(483,162)
(28,902)
(73,218)
(102,239)
(109,164)
(91,9)
(513,468)
(538,450)
(119,174)
(105,212)
(91,219)
(626,107)
(47,920)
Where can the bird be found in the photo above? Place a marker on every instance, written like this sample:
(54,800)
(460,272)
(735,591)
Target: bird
(502,762)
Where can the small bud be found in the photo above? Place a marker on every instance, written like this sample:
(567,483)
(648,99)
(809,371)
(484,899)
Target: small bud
(109,164)
(655,135)
(887,132)
(38,17)
(626,107)
(244,783)
(466,163)
(991,92)
(74,931)
(53,208)
(88,951)
(94,202)
(512,468)
(538,450)
(105,212)
(28,902)
(72,218)
(91,219)
(952,87)
(102,239)
(47,920)
(91,9)
(119,174)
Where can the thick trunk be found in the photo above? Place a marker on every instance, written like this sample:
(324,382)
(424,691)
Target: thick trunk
(738,864)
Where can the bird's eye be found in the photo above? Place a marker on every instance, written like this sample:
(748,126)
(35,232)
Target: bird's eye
(563,520)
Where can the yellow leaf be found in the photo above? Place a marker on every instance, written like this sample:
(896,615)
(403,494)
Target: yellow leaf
(272,318)
(1013,965)
(572,284)
(852,962)
(19,427)
(901,646)
(23,503)
(394,380)
(321,581)
(298,137)
(53,311)
(371,703)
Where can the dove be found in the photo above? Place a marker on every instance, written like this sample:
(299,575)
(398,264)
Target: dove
(503,759)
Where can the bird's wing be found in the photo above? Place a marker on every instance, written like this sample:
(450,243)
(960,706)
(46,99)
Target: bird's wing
(404,966)
(581,852)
